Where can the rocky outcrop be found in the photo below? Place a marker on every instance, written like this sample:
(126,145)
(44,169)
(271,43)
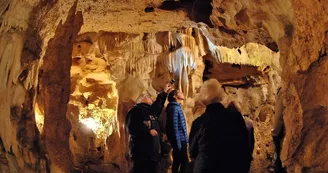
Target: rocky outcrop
(92,108)
(299,29)
(139,45)
(55,89)
(19,135)
(103,62)
(137,63)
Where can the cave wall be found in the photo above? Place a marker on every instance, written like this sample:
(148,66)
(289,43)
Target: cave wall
(55,88)
(140,63)
(296,28)
(300,30)
(19,135)
(92,107)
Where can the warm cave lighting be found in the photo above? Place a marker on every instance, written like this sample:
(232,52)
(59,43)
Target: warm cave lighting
(91,124)
(39,118)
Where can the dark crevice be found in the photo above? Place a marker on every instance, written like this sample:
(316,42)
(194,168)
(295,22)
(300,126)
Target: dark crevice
(273,46)
(243,86)
(289,30)
(116,165)
(239,51)
(201,11)
(313,65)
(22,77)
(149,9)
(145,36)
(208,66)
(228,31)
(236,66)
(171,5)
(198,10)
(2,148)
(14,112)
(7,8)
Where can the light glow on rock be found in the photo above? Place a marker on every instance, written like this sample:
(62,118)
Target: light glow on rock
(100,120)
(91,123)
(39,118)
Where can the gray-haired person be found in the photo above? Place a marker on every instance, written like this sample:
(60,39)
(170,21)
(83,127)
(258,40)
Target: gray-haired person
(143,127)
(219,142)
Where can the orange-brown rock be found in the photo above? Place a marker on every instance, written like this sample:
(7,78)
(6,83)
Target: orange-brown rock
(127,48)
(55,89)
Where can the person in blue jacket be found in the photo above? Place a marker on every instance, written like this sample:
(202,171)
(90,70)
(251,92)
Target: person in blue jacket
(176,131)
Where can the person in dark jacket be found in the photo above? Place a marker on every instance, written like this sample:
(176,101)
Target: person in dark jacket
(176,131)
(234,106)
(143,127)
(220,145)
(195,126)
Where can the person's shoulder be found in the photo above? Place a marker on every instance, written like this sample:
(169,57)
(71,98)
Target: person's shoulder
(136,107)
(248,122)
(197,121)
(236,115)
(173,105)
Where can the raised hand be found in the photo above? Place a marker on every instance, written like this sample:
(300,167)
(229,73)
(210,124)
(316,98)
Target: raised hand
(153,132)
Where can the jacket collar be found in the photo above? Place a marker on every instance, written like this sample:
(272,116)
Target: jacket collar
(174,103)
(144,105)
(214,106)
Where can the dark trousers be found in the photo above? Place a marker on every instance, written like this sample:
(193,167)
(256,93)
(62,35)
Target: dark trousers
(143,166)
(180,159)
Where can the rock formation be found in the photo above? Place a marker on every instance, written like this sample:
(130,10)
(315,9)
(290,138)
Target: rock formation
(70,71)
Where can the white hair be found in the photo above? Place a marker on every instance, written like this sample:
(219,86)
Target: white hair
(142,96)
(210,92)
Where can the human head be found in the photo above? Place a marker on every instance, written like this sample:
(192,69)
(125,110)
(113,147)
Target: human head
(145,98)
(176,96)
(210,92)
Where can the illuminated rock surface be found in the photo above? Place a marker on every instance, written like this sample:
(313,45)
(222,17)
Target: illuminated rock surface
(70,72)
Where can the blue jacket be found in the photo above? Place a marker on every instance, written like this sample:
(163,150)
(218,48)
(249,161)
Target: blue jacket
(176,128)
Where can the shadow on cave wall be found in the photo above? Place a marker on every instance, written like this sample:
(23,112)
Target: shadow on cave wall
(197,10)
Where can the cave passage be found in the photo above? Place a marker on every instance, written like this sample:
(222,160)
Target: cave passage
(110,70)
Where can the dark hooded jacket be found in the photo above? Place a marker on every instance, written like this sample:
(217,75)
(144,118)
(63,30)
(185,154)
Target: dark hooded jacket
(139,121)
(220,142)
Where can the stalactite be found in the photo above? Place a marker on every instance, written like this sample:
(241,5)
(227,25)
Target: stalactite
(151,45)
(248,54)
(173,44)
(180,63)
(144,62)
(199,39)
(140,63)
(108,42)
(214,51)
(135,45)
(187,41)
